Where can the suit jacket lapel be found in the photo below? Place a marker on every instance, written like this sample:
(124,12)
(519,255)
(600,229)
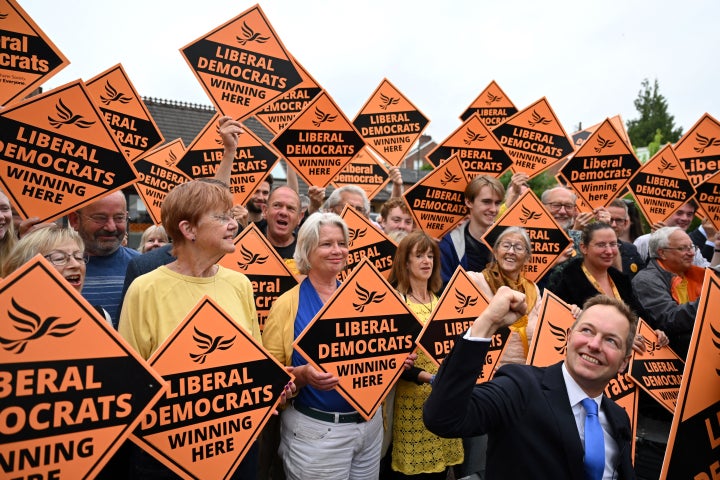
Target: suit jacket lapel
(559,404)
(620,432)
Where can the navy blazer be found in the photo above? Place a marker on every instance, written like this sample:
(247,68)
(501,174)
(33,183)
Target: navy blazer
(526,413)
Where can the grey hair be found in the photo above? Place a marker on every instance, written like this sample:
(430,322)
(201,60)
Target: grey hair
(309,237)
(546,193)
(334,198)
(660,238)
(517,231)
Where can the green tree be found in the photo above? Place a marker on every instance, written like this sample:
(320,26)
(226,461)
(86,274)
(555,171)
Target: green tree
(654,117)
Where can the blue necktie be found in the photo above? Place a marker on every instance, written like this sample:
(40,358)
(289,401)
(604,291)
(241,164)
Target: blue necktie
(594,442)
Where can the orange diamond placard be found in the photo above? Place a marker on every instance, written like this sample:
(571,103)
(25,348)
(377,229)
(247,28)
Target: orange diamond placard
(692,448)
(254,160)
(29,58)
(257,259)
(390,123)
(223,387)
(58,154)
(69,382)
(362,335)
(547,238)
(283,110)
(367,241)
(661,186)
(549,346)
(492,106)
(125,112)
(158,175)
(658,370)
(707,195)
(365,171)
(460,304)
(319,142)
(602,166)
(242,64)
(699,149)
(479,151)
(437,202)
(580,136)
(534,138)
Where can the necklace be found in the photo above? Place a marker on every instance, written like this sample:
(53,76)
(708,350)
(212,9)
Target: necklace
(424,305)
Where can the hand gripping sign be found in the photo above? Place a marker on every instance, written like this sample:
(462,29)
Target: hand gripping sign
(693,450)
(71,390)
(362,335)
(658,370)
(223,387)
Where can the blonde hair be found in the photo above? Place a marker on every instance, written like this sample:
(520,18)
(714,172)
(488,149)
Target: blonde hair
(42,241)
(151,230)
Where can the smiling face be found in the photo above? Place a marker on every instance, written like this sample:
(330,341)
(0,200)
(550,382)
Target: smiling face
(682,218)
(215,233)
(328,258)
(596,348)
(485,207)
(601,250)
(102,224)
(679,255)
(259,199)
(511,254)
(397,220)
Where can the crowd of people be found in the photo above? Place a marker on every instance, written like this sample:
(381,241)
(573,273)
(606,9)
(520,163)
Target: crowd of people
(610,276)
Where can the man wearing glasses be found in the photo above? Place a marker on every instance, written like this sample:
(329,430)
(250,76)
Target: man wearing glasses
(630,262)
(102,226)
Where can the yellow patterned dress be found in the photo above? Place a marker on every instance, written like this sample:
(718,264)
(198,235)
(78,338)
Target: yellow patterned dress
(414,449)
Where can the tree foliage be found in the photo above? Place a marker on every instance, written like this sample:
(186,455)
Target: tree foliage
(654,117)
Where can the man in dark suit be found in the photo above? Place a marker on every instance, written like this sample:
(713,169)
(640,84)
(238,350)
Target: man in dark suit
(535,417)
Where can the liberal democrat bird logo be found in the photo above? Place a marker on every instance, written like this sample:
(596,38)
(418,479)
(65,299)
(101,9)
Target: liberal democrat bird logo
(250,35)
(665,165)
(473,137)
(449,177)
(67,117)
(250,258)
(465,301)
(209,344)
(3,16)
(492,98)
(112,95)
(651,347)
(355,233)
(322,117)
(705,142)
(387,101)
(34,327)
(562,335)
(538,119)
(172,158)
(716,342)
(366,297)
(603,143)
(528,215)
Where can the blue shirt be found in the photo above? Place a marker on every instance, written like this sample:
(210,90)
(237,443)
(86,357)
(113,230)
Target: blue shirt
(104,280)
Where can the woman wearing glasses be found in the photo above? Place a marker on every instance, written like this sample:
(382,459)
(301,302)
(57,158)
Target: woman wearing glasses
(593,273)
(512,250)
(197,217)
(62,247)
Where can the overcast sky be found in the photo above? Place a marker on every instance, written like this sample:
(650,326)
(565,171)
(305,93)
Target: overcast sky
(587,58)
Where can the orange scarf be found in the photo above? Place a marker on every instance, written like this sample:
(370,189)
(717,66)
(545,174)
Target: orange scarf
(495,279)
(694,278)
